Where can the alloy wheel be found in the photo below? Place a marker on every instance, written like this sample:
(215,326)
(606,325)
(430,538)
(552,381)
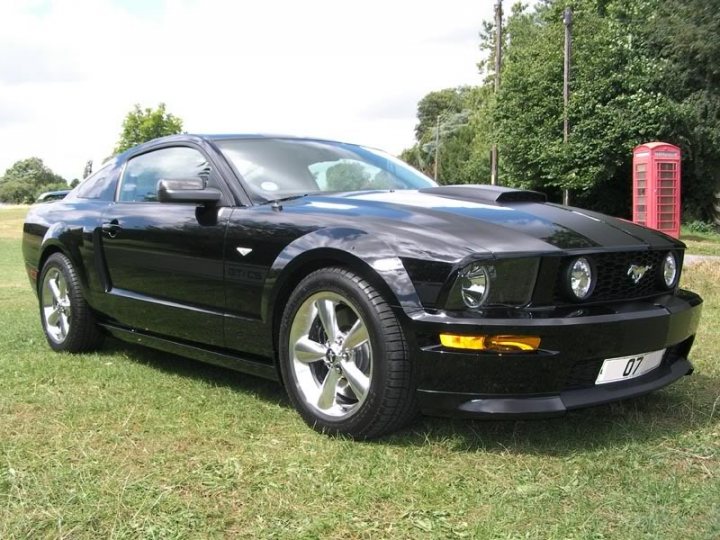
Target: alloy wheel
(57,310)
(331,355)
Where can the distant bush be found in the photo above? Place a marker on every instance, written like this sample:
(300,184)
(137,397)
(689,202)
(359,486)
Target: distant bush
(701,227)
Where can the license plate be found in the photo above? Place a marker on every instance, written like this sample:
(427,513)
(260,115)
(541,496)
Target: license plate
(628,367)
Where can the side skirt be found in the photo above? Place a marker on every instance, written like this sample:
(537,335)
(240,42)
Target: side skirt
(237,363)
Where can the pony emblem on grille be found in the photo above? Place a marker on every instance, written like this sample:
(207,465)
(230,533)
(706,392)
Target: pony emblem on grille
(636,272)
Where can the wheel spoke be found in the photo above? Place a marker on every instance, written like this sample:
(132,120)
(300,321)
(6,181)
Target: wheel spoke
(64,325)
(303,321)
(309,351)
(328,390)
(55,290)
(328,318)
(62,286)
(358,381)
(52,315)
(356,336)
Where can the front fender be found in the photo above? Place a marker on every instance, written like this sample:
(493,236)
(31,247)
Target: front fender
(351,247)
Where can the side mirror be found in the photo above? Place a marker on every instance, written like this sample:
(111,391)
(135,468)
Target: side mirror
(187,190)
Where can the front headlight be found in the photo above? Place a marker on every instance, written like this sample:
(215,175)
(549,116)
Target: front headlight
(474,286)
(581,279)
(504,282)
(669,270)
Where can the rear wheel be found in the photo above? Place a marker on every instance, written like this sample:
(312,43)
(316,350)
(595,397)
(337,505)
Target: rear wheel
(67,320)
(343,357)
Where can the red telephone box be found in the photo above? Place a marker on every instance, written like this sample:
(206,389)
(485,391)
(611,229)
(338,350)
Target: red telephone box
(656,187)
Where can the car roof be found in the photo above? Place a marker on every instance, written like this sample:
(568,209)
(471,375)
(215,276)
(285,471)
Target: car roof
(231,136)
(213,137)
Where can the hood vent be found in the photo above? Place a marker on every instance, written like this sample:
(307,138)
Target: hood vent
(486,193)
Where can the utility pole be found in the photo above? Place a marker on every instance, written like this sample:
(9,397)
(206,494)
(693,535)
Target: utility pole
(88,169)
(498,65)
(437,145)
(567,21)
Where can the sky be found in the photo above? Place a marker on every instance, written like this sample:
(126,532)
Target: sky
(70,70)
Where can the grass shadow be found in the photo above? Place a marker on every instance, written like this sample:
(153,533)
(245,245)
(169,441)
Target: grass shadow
(662,415)
(695,238)
(187,367)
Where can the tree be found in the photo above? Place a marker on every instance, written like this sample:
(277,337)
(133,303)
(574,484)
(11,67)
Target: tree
(141,125)
(684,33)
(26,179)
(642,70)
(435,104)
(74,183)
(457,119)
(616,101)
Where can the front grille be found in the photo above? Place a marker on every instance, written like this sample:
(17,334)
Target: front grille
(613,281)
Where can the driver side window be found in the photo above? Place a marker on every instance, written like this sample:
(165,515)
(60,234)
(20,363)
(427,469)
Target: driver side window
(142,173)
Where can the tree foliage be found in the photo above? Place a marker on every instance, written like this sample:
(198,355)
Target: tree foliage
(642,70)
(437,104)
(26,179)
(614,105)
(685,33)
(141,125)
(452,121)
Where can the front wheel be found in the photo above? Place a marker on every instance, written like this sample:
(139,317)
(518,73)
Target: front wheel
(344,358)
(67,320)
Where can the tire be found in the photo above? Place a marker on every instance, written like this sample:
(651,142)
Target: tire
(66,318)
(343,357)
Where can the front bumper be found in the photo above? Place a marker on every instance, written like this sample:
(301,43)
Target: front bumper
(561,375)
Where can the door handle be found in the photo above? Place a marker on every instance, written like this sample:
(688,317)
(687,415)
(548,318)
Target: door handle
(111,228)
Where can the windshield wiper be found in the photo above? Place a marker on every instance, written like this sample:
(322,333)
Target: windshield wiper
(276,202)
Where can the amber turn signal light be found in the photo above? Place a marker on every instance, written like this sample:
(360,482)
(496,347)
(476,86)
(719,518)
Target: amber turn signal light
(502,343)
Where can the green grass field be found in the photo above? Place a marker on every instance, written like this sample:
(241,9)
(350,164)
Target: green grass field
(132,443)
(701,243)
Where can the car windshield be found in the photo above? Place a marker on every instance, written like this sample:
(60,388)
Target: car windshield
(280,168)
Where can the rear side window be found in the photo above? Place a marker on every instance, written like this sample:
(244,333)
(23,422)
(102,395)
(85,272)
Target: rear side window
(100,185)
(139,181)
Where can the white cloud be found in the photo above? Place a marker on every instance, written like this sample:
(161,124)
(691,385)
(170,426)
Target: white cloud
(71,69)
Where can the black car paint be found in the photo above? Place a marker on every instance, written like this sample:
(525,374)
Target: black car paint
(170,276)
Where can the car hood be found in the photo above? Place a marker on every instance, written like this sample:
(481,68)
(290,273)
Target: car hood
(450,222)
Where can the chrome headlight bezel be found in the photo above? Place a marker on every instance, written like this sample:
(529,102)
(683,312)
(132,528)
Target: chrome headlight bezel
(573,283)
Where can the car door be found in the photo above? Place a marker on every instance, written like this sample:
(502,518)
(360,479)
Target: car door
(165,260)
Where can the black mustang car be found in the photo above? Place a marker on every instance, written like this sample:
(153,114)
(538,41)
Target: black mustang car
(369,291)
